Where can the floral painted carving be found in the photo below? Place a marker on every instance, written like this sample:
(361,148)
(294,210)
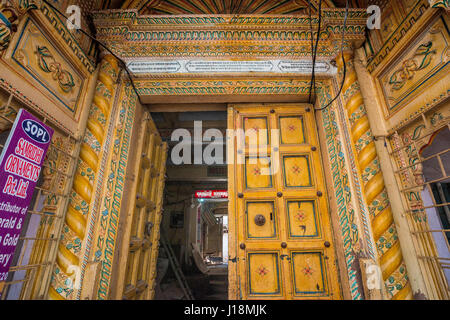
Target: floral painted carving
(10,11)
(291,127)
(412,65)
(440,4)
(300,215)
(48,64)
(25,5)
(256,171)
(436,118)
(411,152)
(262,270)
(296,169)
(307,270)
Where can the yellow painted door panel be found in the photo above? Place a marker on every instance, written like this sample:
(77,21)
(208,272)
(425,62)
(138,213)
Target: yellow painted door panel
(280,237)
(145,208)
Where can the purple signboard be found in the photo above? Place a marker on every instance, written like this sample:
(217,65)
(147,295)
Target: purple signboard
(20,165)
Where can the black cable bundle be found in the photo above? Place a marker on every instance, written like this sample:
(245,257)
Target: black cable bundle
(343,60)
(313,51)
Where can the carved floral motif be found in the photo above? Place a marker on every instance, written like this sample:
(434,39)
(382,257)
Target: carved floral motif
(421,59)
(48,64)
(308,271)
(301,215)
(296,169)
(262,270)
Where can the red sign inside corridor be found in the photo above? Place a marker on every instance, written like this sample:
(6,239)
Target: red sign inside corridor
(211,194)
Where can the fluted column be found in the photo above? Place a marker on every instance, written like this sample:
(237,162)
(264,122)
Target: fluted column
(383,227)
(69,256)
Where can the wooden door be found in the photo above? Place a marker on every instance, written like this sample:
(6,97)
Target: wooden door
(280,237)
(138,263)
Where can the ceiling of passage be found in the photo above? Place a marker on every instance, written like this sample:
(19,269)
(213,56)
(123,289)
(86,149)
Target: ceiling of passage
(189,7)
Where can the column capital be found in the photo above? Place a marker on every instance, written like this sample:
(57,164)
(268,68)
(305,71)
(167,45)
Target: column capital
(105,54)
(348,55)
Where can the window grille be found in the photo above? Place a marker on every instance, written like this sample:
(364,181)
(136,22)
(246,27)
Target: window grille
(421,158)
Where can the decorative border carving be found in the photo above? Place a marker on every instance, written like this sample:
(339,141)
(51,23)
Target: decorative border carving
(349,233)
(104,246)
(68,38)
(401,31)
(428,106)
(131,35)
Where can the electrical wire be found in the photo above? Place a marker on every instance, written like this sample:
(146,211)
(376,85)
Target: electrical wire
(313,49)
(343,61)
(124,65)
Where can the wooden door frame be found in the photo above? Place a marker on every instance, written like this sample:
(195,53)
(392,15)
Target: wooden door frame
(126,217)
(326,88)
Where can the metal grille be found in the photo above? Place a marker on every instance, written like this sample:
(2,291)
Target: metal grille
(421,155)
(35,254)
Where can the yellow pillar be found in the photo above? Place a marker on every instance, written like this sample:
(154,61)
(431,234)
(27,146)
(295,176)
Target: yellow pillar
(384,230)
(70,251)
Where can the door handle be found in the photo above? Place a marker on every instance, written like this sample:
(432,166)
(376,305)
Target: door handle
(260,220)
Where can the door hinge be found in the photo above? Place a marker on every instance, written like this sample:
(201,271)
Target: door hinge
(234,260)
